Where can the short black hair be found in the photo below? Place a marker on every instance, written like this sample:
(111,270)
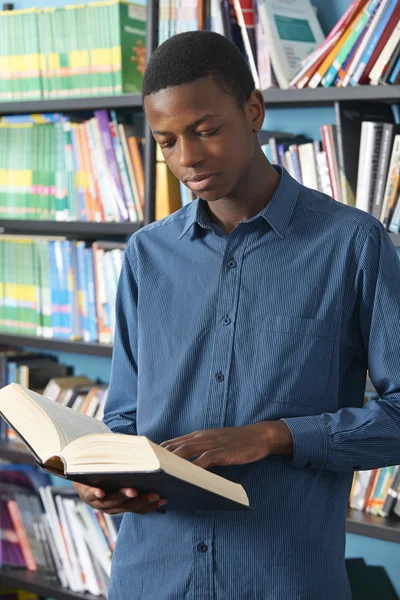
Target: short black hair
(189,56)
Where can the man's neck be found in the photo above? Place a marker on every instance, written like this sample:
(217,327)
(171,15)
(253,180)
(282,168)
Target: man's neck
(251,196)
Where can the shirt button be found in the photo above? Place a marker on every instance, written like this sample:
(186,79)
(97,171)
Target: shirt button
(219,376)
(231,263)
(226,321)
(308,465)
(202,547)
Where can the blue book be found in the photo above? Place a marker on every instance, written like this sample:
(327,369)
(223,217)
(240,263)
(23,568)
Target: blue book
(379,29)
(91,295)
(395,72)
(55,312)
(67,288)
(11,372)
(82,291)
(38,119)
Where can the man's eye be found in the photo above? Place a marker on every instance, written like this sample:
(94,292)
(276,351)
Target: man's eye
(167,145)
(209,133)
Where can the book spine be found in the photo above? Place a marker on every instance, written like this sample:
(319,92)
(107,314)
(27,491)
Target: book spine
(103,123)
(364,44)
(351,39)
(387,137)
(376,48)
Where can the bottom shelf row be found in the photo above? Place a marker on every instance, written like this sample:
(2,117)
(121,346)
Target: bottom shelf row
(357,522)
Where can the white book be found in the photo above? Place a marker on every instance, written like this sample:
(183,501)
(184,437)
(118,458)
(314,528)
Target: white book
(385,55)
(76,567)
(308,165)
(217,23)
(293,33)
(95,542)
(54,524)
(364,173)
(323,170)
(91,584)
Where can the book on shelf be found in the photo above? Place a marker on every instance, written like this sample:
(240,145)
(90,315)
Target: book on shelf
(361,49)
(48,530)
(53,287)
(77,50)
(293,32)
(83,449)
(358,162)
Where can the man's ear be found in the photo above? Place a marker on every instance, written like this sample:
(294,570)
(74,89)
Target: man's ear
(256,110)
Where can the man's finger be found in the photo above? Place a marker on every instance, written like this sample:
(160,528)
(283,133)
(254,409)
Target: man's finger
(211,458)
(151,507)
(190,449)
(185,438)
(129,504)
(91,496)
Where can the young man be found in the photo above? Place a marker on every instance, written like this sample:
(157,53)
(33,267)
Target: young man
(246,322)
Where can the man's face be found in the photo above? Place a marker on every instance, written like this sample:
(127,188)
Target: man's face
(207,142)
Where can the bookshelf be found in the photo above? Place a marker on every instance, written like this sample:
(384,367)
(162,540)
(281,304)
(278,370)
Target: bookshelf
(273,97)
(324,96)
(69,229)
(57,345)
(359,523)
(40,584)
(16,107)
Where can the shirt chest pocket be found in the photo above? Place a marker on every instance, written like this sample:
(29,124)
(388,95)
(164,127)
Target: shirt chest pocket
(294,359)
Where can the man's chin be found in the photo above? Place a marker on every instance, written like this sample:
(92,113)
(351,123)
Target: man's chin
(211,195)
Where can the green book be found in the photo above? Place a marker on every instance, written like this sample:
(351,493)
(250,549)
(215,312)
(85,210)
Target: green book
(44,287)
(30,61)
(132,45)
(3,57)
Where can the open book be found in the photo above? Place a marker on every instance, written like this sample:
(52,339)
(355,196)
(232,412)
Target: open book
(83,449)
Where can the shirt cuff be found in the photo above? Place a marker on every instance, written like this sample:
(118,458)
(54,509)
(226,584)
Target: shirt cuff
(310,442)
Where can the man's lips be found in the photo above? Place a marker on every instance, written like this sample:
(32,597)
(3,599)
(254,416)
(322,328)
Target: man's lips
(200,182)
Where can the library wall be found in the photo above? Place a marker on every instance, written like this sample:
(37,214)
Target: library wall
(305,121)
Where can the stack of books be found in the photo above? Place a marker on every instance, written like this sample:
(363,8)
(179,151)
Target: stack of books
(376,491)
(49,530)
(80,50)
(369,180)
(273,35)
(363,48)
(88,171)
(59,288)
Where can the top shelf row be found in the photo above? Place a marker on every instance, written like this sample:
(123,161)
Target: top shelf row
(273,97)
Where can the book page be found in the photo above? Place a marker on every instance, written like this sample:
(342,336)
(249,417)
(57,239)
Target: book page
(69,424)
(43,424)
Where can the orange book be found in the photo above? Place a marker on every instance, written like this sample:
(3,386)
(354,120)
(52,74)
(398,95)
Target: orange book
(168,194)
(327,62)
(100,216)
(137,166)
(88,399)
(369,496)
(312,62)
(22,536)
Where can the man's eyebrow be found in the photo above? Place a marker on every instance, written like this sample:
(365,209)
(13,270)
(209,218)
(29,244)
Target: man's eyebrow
(195,124)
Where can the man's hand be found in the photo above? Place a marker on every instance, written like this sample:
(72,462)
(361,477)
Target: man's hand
(233,445)
(125,500)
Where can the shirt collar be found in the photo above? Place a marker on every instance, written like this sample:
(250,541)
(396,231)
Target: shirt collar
(277,212)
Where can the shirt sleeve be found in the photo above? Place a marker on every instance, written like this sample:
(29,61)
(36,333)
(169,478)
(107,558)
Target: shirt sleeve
(367,437)
(120,407)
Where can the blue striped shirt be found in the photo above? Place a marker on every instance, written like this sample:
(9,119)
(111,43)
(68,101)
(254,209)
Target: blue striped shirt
(280,319)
